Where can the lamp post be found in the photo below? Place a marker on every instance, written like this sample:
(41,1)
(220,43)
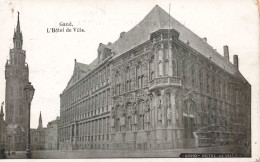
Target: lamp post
(29,92)
(9,142)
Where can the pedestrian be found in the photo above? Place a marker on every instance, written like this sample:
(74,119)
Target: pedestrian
(3,155)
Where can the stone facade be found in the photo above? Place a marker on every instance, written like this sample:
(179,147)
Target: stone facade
(38,139)
(38,136)
(52,135)
(156,88)
(16,75)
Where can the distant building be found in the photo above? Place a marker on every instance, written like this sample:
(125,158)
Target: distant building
(38,136)
(17,77)
(2,128)
(52,135)
(159,86)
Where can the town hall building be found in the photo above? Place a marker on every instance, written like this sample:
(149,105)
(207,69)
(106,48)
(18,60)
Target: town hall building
(159,86)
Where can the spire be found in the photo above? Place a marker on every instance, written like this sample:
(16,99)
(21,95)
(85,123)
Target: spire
(18,37)
(40,121)
(18,23)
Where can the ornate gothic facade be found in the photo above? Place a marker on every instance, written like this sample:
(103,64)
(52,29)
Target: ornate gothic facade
(156,88)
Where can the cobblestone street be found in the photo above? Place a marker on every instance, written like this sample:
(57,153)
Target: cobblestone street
(84,154)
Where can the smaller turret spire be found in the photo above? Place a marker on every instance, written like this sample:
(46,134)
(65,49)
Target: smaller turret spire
(40,121)
(18,23)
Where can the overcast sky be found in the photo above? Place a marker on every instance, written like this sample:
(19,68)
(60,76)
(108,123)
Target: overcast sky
(51,55)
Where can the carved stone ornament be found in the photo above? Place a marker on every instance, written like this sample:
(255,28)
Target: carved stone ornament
(118,100)
(169,113)
(147,106)
(147,118)
(159,114)
(122,120)
(112,121)
(128,97)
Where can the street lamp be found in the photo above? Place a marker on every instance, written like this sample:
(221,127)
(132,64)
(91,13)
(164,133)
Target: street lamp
(9,142)
(29,92)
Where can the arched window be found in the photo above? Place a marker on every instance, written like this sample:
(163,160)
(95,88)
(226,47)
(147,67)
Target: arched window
(174,67)
(15,60)
(118,84)
(168,100)
(129,117)
(20,110)
(141,107)
(21,92)
(219,88)
(201,80)
(208,82)
(11,109)
(166,67)
(192,109)
(192,76)
(139,76)
(178,68)
(183,68)
(160,68)
(128,80)
(224,90)
(151,68)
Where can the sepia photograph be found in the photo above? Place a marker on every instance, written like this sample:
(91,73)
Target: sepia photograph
(130,80)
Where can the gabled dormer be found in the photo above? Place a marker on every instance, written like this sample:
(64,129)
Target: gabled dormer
(104,52)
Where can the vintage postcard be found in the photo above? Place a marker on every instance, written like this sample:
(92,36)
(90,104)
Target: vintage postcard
(129,79)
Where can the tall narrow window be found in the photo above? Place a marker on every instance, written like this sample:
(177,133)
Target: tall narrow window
(166,67)
(160,68)
(141,115)
(139,76)
(174,67)
(192,76)
(201,80)
(128,80)
(208,82)
(129,123)
(177,68)
(118,84)
(151,68)
(184,72)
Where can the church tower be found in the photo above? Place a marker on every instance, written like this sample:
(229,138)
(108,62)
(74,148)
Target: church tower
(40,122)
(16,75)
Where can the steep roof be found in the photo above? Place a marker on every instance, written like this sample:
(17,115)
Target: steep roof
(156,19)
(81,68)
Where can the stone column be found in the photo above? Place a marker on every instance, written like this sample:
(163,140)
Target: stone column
(173,107)
(148,71)
(164,110)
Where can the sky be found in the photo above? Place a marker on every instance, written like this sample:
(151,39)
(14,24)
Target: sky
(51,55)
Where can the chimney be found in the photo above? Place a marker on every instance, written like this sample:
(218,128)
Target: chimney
(204,39)
(226,52)
(122,34)
(235,61)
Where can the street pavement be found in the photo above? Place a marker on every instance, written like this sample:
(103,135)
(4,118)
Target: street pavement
(89,154)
